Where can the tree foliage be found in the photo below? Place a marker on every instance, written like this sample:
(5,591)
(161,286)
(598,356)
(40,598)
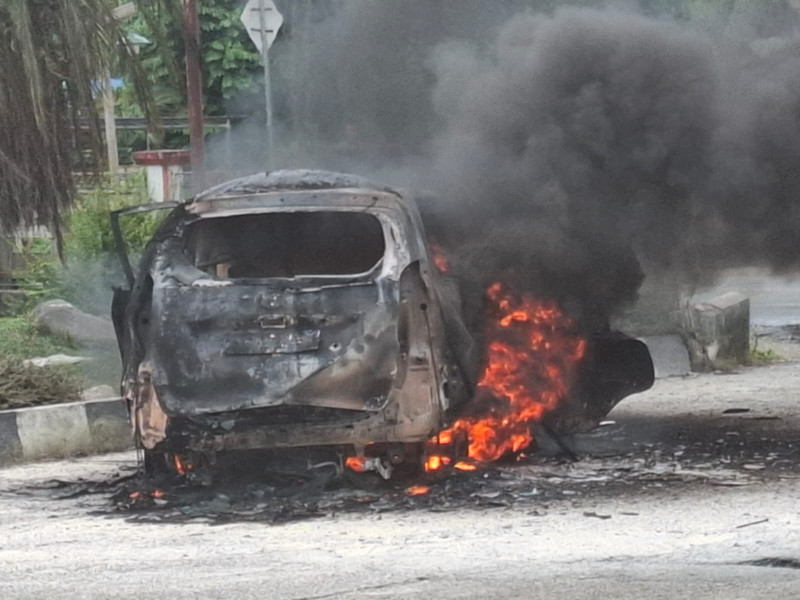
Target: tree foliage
(230,62)
(51,53)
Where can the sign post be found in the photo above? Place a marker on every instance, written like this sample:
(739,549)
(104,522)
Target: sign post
(262,20)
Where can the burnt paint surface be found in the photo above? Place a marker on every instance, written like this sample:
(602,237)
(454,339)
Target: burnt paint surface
(246,346)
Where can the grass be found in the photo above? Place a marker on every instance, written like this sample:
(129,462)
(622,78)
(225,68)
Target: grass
(763,357)
(760,357)
(20,339)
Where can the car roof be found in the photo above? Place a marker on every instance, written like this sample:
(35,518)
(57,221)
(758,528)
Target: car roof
(299,190)
(288,180)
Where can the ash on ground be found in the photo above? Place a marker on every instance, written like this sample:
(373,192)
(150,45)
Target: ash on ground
(727,446)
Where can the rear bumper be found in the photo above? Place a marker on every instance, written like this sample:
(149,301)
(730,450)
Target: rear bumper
(373,429)
(412,413)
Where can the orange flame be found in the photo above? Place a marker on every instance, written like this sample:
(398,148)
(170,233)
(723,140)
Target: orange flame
(444,438)
(436,462)
(465,466)
(355,463)
(418,490)
(179,467)
(439,257)
(531,360)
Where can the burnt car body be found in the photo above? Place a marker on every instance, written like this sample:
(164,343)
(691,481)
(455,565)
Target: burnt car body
(303,309)
(290,309)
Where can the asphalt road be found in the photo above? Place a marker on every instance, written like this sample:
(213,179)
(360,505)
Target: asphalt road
(712,490)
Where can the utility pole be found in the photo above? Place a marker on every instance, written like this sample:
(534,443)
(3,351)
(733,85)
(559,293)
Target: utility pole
(194,92)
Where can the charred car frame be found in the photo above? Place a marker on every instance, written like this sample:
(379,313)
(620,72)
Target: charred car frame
(293,309)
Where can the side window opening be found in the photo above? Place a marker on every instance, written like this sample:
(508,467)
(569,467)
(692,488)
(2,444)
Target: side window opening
(286,245)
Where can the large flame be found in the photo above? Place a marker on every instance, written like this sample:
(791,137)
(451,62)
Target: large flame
(531,359)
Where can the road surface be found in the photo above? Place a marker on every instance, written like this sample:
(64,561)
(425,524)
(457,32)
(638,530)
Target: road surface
(700,495)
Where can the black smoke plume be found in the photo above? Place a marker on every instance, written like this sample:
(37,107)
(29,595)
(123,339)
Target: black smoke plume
(565,148)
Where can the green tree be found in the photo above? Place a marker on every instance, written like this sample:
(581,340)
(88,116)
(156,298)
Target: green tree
(230,62)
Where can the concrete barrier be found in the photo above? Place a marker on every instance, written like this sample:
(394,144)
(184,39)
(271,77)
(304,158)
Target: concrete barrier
(719,331)
(64,430)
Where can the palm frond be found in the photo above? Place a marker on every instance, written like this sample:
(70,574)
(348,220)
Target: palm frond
(53,51)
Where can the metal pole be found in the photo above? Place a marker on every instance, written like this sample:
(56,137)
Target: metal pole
(194,92)
(110,123)
(267,83)
(228,148)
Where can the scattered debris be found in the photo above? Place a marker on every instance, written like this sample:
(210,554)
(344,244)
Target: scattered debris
(597,516)
(778,563)
(22,386)
(751,524)
(56,360)
(280,498)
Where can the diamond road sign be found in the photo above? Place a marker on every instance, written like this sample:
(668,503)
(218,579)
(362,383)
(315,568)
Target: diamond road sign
(252,19)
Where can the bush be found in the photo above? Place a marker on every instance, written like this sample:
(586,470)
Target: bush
(39,278)
(761,356)
(89,230)
(92,267)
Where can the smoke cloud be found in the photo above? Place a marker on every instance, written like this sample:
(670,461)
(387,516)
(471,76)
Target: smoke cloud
(576,140)
(564,149)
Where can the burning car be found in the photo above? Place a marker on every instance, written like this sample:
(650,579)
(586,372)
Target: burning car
(294,309)
(306,309)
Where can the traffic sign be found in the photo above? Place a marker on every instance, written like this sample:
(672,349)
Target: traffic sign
(262,20)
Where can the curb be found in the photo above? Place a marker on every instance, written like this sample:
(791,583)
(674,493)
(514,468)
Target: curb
(64,430)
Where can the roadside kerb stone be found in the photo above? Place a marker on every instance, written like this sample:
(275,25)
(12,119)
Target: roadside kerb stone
(64,430)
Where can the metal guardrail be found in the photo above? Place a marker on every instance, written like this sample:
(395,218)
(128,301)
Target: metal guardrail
(141,124)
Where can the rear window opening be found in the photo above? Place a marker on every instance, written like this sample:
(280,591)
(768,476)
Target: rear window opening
(286,244)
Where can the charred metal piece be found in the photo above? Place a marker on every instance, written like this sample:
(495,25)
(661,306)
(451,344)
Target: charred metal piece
(614,367)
